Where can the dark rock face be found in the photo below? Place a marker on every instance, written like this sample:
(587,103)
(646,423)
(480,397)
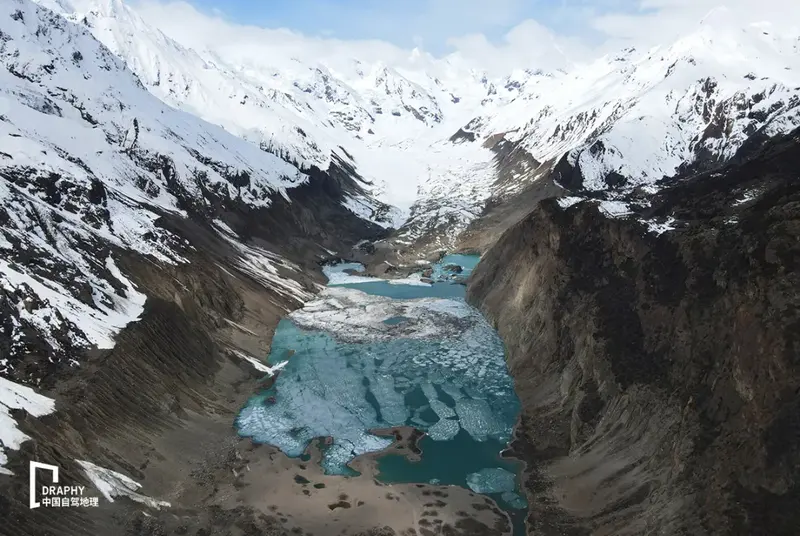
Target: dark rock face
(462,135)
(659,374)
(453,268)
(500,215)
(567,175)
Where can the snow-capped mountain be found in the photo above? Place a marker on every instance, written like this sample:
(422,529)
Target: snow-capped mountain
(422,134)
(629,120)
(636,117)
(308,111)
(98,141)
(90,163)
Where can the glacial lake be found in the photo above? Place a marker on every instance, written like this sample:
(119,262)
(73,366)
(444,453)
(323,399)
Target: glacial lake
(369,354)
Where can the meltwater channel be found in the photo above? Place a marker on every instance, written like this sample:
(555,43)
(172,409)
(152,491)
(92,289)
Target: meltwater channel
(368,354)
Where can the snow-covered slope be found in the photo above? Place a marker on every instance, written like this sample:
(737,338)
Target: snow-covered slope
(14,396)
(420,133)
(89,161)
(626,120)
(637,117)
(91,155)
(380,118)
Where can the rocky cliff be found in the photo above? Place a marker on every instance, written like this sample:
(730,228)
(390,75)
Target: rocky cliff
(656,350)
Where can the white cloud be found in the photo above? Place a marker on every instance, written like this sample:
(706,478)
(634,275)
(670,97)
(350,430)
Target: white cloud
(659,21)
(527,45)
(587,29)
(190,27)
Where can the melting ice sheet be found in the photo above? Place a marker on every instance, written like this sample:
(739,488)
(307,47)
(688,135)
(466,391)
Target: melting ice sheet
(441,370)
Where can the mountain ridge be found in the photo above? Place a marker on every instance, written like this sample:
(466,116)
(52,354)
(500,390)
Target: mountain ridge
(625,119)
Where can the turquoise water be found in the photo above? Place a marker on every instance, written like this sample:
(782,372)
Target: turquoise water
(466,262)
(450,463)
(371,354)
(409,292)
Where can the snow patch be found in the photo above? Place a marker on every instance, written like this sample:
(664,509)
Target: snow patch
(112,484)
(566,202)
(259,365)
(659,228)
(111,311)
(493,480)
(748,196)
(16,396)
(615,209)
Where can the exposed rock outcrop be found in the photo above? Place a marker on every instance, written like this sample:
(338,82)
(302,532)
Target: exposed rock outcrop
(657,356)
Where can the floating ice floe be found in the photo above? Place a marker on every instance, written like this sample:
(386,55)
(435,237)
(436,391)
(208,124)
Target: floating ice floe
(514,500)
(355,316)
(413,279)
(493,480)
(444,430)
(339,274)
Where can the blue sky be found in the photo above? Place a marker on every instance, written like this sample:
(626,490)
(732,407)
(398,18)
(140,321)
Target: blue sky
(411,22)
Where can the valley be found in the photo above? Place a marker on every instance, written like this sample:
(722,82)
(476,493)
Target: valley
(276,290)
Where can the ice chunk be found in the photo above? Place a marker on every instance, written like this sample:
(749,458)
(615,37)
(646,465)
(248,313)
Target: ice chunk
(442,410)
(413,279)
(453,390)
(514,500)
(493,480)
(336,456)
(477,419)
(392,404)
(444,430)
(337,274)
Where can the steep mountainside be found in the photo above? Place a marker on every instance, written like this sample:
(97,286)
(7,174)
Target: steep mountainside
(655,350)
(629,122)
(448,144)
(91,163)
